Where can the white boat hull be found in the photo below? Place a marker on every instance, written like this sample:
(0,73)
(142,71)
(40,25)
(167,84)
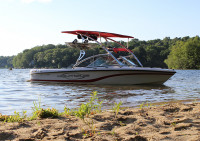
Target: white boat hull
(116,76)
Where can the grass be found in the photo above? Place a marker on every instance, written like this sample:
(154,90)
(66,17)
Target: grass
(173,124)
(13,118)
(112,132)
(145,105)
(66,111)
(39,112)
(46,113)
(84,112)
(121,123)
(89,108)
(116,108)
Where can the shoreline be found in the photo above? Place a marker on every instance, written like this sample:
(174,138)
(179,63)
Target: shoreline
(173,121)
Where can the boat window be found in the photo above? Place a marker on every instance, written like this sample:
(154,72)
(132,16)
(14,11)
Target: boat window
(103,62)
(127,62)
(98,62)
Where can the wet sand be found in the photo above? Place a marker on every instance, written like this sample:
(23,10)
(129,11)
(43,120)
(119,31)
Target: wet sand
(174,121)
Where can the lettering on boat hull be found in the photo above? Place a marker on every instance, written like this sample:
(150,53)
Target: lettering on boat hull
(73,76)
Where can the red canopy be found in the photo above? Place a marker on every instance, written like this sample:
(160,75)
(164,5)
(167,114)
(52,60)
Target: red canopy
(116,50)
(97,33)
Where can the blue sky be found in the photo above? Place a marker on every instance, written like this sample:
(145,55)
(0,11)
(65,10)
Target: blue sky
(28,23)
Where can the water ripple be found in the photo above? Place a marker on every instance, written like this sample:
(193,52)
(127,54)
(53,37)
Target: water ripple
(16,94)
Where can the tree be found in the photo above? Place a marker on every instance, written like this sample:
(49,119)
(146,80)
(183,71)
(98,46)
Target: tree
(185,54)
(174,53)
(6,61)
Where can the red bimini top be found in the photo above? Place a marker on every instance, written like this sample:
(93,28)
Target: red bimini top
(116,50)
(97,34)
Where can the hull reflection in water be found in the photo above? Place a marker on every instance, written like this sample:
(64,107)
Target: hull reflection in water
(130,95)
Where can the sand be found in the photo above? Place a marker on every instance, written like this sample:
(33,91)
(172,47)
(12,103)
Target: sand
(175,121)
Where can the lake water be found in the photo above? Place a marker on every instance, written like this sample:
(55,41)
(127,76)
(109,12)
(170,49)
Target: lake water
(16,94)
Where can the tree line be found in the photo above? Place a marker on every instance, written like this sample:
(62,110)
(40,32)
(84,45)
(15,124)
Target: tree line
(177,53)
(6,61)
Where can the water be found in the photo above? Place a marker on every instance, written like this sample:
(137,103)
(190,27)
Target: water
(16,94)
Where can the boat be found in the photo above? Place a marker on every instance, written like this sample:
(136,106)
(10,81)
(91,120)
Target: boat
(106,68)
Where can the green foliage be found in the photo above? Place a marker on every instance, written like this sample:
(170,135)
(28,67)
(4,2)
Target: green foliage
(116,108)
(112,132)
(66,112)
(6,61)
(121,123)
(13,118)
(145,105)
(173,124)
(39,112)
(90,107)
(36,109)
(153,53)
(185,54)
(141,105)
(46,113)
(85,110)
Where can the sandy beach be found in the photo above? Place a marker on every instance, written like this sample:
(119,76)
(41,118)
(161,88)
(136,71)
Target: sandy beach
(177,121)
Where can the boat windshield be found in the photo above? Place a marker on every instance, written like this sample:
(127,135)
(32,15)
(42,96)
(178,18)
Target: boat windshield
(98,61)
(103,61)
(126,61)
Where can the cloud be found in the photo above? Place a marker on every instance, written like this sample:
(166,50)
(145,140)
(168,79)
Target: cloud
(30,1)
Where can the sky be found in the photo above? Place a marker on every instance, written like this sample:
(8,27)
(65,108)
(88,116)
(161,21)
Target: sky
(25,24)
